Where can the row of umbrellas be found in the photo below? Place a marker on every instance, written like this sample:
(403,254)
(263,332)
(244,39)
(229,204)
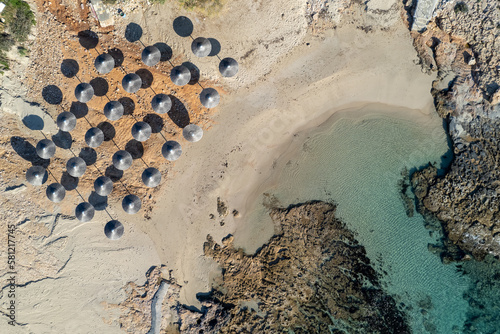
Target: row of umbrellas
(132,82)
(151,55)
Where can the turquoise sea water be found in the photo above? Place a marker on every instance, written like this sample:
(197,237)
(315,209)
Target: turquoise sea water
(357,161)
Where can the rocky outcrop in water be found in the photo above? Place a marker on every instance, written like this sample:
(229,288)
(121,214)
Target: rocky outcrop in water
(461,44)
(311,277)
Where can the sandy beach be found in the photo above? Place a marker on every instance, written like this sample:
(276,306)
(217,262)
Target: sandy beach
(292,79)
(342,68)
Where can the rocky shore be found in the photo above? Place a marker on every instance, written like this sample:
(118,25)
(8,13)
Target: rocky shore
(311,277)
(461,44)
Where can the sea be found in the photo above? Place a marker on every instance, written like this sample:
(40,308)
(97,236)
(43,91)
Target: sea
(362,160)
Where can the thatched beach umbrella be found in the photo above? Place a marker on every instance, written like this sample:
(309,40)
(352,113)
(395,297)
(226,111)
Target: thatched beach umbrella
(151,177)
(192,133)
(84,212)
(171,150)
(104,63)
(45,148)
(76,166)
(36,175)
(201,47)
(66,121)
(122,160)
(131,204)
(151,55)
(113,230)
(84,92)
(55,192)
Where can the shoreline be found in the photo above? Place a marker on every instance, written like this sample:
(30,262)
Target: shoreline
(287,151)
(257,120)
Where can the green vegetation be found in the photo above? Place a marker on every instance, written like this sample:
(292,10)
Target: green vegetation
(18,22)
(158,1)
(461,7)
(207,7)
(109,2)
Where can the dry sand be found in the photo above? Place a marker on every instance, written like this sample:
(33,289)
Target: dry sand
(291,79)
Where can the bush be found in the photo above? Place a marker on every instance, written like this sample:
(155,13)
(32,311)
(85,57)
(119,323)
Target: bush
(461,7)
(206,6)
(19,19)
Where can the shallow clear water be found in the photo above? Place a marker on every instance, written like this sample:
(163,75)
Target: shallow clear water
(356,160)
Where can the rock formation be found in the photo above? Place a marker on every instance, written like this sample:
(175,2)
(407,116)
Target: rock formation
(461,44)
(311,277)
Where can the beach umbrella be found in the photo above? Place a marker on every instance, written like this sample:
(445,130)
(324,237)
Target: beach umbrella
(94,137)
(171,150)
(66,121)
(113,110)
(228,67)
(161,103)
(180,75)
(209,98)
(76,166)
(103,186)
(151,55)
(131,204)
(84,212)
(192,133)
(84,92)
(113,230)
(45,148)
(131,82)
(104,63)
(36,175)
(141,131)
(201,47)
(55,192)
(122,160)
(151,177)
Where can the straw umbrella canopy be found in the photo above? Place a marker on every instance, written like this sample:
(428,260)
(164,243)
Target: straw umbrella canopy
(84,92)
(228,67)
(209,98)
(66,121)
(84,212)
(122,160)
(151,55)
(131,204)
(76,166)
(45,148)
(103,186)
(201,47)
(180,75)
(104,63)
(113,230)
(36,175)
(171,150)
(161,103)
(55,192)
(192,133)
(131,83)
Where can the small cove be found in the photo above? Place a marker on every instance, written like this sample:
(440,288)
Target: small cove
(356,159)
